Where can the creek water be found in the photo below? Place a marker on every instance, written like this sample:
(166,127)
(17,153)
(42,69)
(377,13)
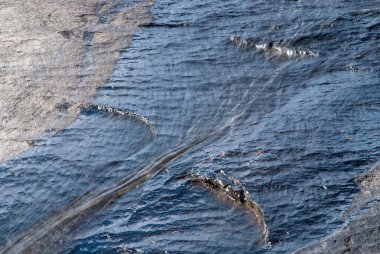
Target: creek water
(294,130)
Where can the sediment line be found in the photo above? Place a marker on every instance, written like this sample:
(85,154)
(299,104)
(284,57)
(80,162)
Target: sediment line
(121,112)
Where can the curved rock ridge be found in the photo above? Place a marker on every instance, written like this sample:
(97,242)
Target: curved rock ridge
(272,47)
(55,53)
(232,188)
(121,112)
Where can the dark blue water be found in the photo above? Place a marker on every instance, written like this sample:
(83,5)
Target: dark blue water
(294,130)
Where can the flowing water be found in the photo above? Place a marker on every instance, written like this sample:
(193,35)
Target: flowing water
(295,129)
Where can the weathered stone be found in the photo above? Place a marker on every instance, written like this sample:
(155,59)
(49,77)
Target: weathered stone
(56,53)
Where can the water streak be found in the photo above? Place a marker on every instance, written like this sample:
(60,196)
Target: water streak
(49,234)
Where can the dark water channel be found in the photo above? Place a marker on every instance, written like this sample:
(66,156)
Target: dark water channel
(294,130)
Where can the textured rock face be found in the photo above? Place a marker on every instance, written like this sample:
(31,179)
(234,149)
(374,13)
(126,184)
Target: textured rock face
(53,56)
(361,232)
